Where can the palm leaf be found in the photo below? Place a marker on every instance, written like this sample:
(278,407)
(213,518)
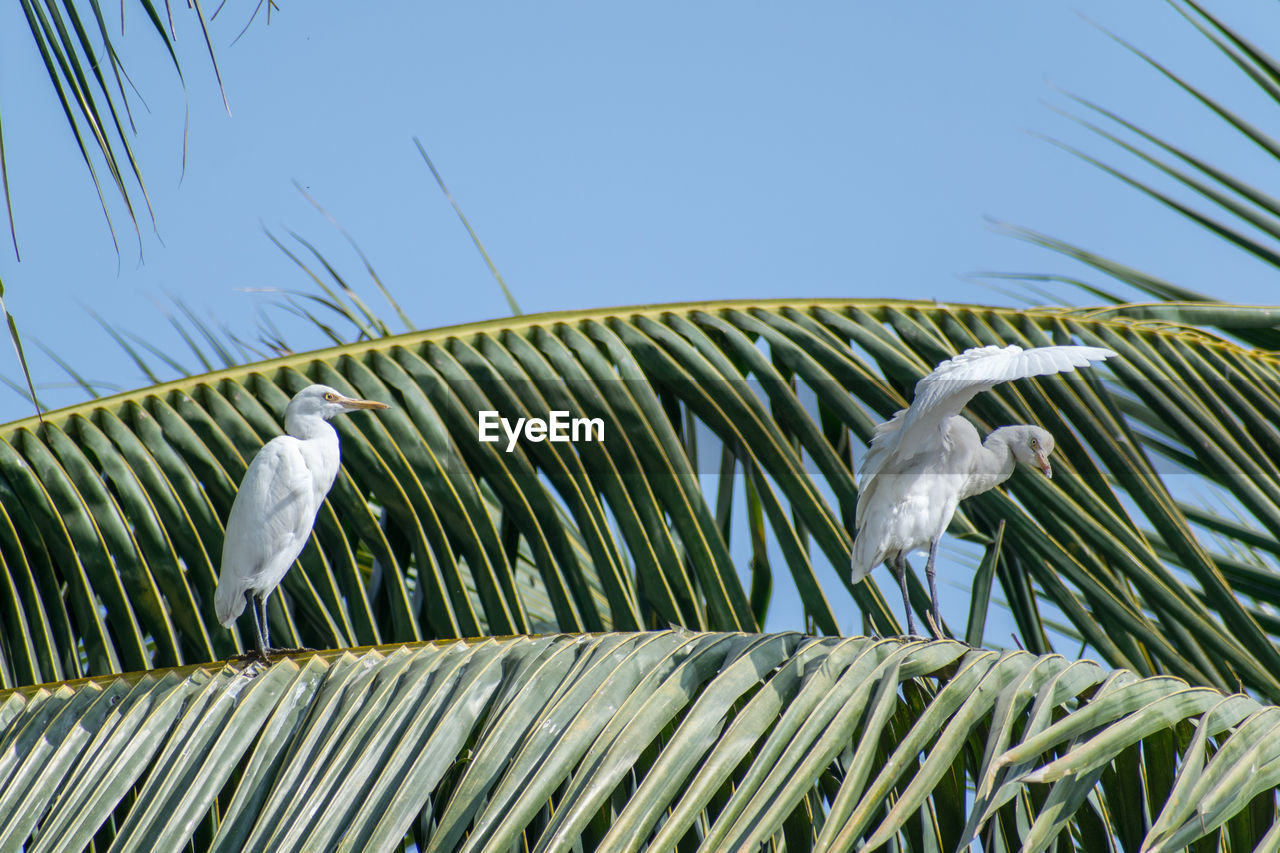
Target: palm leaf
(475,238)
(1239,211)
(116,505)
(88,78)
(630,741)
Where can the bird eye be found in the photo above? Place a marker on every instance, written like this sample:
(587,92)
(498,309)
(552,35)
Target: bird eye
(1035,444)
(330,396)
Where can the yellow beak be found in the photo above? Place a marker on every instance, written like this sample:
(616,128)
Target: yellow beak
(350,403)
(1043,462)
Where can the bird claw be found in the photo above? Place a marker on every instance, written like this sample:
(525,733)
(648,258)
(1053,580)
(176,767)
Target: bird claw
(251,656)
(263,656)
(296,650)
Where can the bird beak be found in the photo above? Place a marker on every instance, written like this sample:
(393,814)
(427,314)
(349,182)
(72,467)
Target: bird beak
(350,403)
(1043,462)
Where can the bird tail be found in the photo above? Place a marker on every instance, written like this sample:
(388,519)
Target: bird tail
(863,559)
(228,601)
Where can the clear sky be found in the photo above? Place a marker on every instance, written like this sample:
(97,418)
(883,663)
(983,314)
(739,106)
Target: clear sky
(609,154)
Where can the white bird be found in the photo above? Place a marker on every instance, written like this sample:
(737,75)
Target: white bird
(926,458)
(275,509)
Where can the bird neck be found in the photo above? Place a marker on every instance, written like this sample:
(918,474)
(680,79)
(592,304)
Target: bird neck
(992,465)
(308,427)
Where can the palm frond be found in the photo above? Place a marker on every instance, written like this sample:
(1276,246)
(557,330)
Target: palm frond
(638,741)
(87,73)
(116,505)
(475,238)
(1236,209)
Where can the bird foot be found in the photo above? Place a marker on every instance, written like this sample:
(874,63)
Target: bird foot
(263,656)
(296,650)
(251,656)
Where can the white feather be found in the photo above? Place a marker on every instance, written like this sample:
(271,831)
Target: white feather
(927,458)
(270,521)
(949,388)
(275,508)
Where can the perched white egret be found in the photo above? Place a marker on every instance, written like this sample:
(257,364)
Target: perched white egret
(927,458)
(276,506)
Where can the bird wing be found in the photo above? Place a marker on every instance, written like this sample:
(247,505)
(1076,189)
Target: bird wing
(952,384)
(270,518)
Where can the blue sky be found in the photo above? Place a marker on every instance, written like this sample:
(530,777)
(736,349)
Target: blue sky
(609,155)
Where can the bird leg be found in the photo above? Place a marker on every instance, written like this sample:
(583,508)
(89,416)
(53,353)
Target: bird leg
(935,618)
(899,566)
(264,632)
(259,652)
(266,628)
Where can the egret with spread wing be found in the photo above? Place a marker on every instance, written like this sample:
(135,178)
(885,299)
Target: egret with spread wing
(927,458)
(276,507)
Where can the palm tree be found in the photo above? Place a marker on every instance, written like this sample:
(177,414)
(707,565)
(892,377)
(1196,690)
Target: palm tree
(86,68)
(552,648)
(113,513)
